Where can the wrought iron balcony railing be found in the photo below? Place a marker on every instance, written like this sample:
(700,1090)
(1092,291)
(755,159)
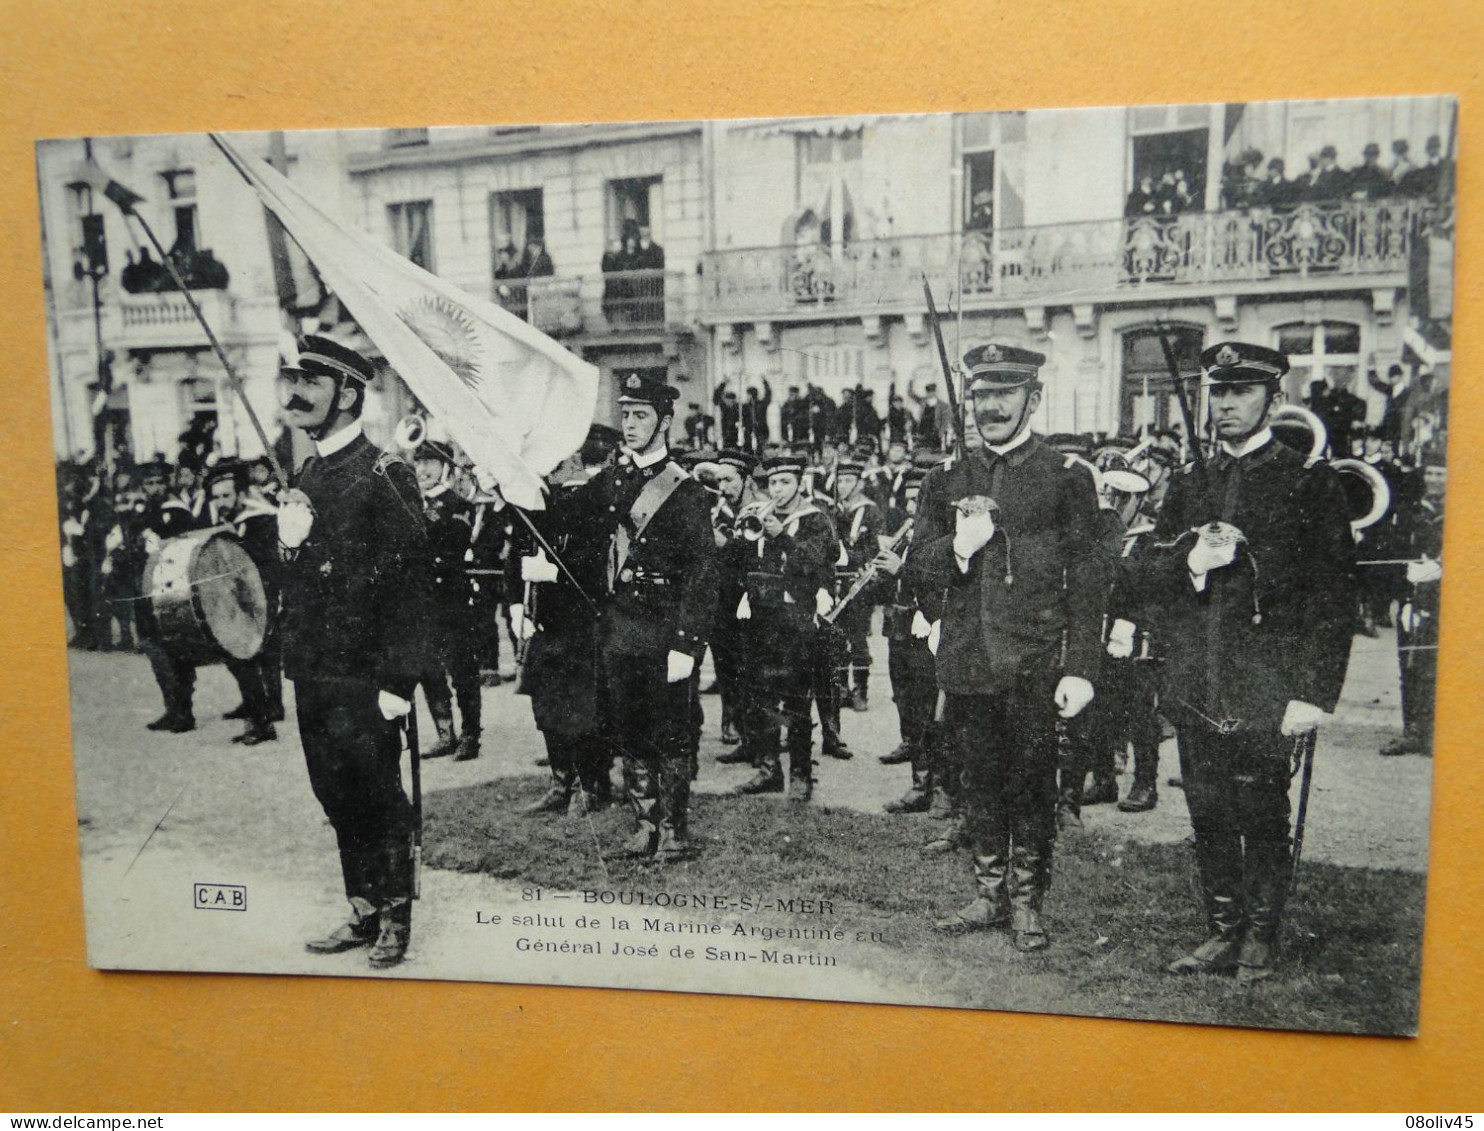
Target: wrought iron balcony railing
(1072,262)
(615,302)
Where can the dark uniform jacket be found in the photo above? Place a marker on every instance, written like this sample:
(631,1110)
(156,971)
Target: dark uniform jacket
(781,577)
(858,523)
(664,593)
(1274,625)
(356,593)
(1037,589)
(450,525)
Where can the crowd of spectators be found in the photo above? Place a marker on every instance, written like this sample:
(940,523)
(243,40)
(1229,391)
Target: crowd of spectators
(1247,183)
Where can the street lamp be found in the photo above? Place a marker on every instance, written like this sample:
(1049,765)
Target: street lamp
(93,266)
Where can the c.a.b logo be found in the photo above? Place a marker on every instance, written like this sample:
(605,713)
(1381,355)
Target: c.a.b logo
(219,897)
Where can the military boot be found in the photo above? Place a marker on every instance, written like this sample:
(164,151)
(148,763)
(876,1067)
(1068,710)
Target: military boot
(860,691)
(1031,873)
(1268,865)
(554,800)
(991,907)
(769,776)
(467,748)
(393,934)
(918,798)
(902,754)
(1143,795)
(800,777)
(357,931)
(442,715)
(1218,953)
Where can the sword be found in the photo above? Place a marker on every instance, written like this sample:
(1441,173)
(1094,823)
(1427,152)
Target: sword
(417,802)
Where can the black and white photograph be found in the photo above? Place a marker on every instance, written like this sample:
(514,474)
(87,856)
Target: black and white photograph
(980,560)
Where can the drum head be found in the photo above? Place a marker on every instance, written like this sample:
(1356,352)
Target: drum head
(229,597)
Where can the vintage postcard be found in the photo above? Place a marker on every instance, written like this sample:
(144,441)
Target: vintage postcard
(986,560)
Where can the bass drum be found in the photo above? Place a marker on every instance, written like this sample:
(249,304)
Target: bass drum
(207,598)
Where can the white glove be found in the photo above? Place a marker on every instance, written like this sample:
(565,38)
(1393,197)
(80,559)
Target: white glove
(114,540)
(538,567)
(823,602)
(971,533)
(392,706)
(1073,693)
(1424,570)
(522,628)
(1408,617)
(72,527)
(744,608)
(151,542)
(69,557)
(935,636)
(1300,718)
(920,627)
(679,666)
(295,518)
(1203,558)
(1121,639)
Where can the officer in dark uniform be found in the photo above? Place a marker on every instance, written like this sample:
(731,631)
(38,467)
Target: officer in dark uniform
(786,571)
(1252,579)
(733,471)
(164,517)
(255,525)
(356,605)
(454,630)
(489,544)
(654,523)
(1417,614)
(1009,536)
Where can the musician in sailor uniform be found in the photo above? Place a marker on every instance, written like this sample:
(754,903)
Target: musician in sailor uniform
(1008,536)
(654,613)
(453,632)
(1251,578)
(255,525)
(860,525)
(732,473)
(786,572)
(162,518)
(356,609)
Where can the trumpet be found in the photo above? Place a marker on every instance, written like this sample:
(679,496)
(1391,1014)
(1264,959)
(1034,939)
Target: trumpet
(750,519)
(410,433)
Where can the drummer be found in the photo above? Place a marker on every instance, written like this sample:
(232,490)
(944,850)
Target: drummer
(254,524)
(161,519)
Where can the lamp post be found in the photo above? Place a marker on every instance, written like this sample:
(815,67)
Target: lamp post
(93,266)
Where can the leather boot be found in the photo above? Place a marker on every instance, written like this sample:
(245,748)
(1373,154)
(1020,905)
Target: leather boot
(1141,798)
(1143,795)
(897,757)
(859,695)
(359,930)
(1030,871)
(768,779)
(646,833)
(991,907)
(1218,953)
(954,837)
(1268,865)
(800,777)
(918,798)
(442,715)
(554,800)
(257,732)
(467,748)
(393,934)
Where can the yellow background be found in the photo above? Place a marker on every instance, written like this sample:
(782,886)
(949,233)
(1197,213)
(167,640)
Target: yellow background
(75,1039)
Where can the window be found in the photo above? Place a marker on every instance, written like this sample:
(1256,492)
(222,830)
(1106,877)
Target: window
(411,223)
(1147,397)
(978,201)
(180,187)
(516,218)
(829,173)
(633,203)
(1329,350)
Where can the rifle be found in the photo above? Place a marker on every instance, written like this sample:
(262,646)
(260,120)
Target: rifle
(950,381)
(866,575)
(1304,751)
(1184,400)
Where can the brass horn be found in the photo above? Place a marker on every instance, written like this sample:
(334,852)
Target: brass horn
(411,431)
(1300,429)
(1366,490)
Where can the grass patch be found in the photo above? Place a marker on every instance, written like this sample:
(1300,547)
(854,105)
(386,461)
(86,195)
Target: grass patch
(1118,911)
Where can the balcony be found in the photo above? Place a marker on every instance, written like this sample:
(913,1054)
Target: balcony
(619,303)
(1101,260)
(165,321)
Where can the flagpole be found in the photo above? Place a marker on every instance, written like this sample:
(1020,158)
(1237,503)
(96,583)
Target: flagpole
(232,378)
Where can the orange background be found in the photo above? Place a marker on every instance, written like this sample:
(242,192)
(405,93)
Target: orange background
(74,1039)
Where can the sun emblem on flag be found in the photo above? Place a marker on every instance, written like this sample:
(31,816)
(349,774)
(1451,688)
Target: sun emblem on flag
(449,332)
